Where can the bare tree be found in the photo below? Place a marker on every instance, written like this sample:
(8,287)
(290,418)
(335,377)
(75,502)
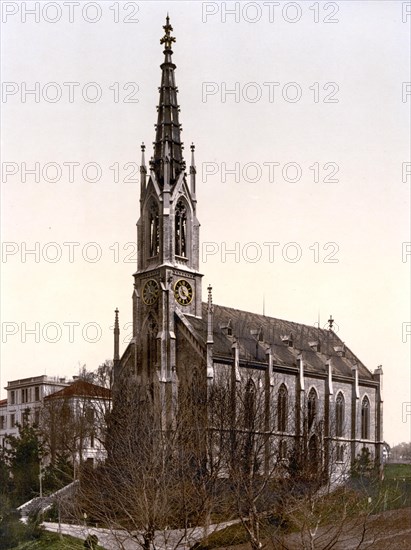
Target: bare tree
(73,420)
(155,482)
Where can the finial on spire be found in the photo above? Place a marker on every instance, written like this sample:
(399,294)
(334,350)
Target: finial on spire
(143,147)
(167,38)
(330,322)
(210,298)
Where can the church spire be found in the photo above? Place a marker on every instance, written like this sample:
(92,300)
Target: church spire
(168,127)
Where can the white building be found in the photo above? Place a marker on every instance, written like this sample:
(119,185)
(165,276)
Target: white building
(73,411)
(76,414)
(23,394)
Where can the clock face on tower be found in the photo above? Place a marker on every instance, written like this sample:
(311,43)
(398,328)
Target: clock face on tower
(183,292)
(151,291)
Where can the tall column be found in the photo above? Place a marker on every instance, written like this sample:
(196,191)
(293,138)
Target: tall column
(210,337)
(355,396)
(379,433)
(329,392)
(300,406)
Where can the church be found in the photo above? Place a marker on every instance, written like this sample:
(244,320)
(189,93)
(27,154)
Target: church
(313,388)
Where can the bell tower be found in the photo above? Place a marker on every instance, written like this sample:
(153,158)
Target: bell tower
(167,277)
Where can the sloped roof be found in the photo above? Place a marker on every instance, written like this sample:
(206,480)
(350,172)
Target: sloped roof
(81,388)
(3,402)
(254,351)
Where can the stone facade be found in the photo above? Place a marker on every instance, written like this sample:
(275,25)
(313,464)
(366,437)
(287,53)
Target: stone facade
(315,388)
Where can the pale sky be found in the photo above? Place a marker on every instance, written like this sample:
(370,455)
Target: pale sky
(311,101)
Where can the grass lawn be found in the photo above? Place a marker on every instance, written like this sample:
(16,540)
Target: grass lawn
(53,541)
(397,471)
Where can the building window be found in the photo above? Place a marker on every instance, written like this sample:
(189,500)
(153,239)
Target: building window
(154,228)
(282,449)
(365,418)
(313,454)
(181,229)
(340,453)
(90,415)
(152,344)
(249,406)
(25,395)
(25,417)
(339,415)
(37,393)
(12,397)
(12,421)
(312,407)
(2,423)
(282,408)
(92,440)
(37,417)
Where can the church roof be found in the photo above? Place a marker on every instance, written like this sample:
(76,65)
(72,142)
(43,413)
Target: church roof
(254,333)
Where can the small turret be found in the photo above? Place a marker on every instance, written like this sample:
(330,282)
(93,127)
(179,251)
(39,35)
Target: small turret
(193,172)
(116,358)
(210,338)
(143,172)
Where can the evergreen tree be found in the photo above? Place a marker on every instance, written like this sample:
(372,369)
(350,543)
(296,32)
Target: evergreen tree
(22,457)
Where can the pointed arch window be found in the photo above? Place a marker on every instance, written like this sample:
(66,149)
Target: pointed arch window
(313,449)
(365,418)
(282,449)
(181,229)
(154,229)
(152,331)
(249,405)
(339,415)
(282,408)
(312,407)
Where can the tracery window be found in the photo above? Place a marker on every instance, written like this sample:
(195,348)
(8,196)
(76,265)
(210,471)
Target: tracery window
(181,229)
(339,415)
(249,405)
(365,418)
(152,331)
(154,228)
(282,408)
(282,449)
(313,451)
(312,407)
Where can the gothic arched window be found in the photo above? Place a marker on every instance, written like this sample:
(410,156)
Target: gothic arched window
(365,418)
(312,407)
(249,405)
(339,415)
(152,331)
(313,449)
(282,409)
(282,449)
(154,230)
(181,229)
